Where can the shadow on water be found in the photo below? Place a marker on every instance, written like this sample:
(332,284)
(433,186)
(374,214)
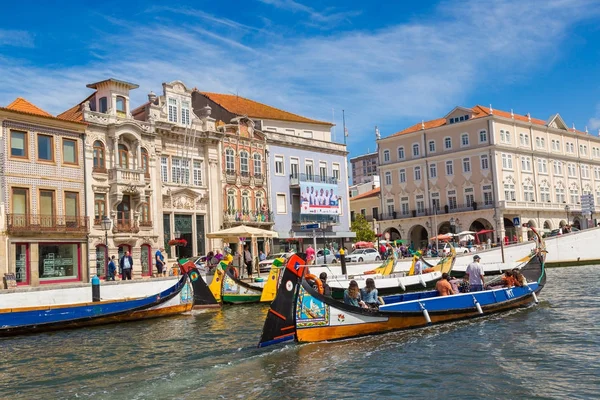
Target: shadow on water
(546,351)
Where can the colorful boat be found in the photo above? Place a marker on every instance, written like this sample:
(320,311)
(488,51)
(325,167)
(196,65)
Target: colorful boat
(391,283)
(203,297)
(44,309)
(299,312)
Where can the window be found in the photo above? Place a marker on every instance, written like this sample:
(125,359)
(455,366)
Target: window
(185,113)
(560,194)
(488,198)
(469,197)
(400,153)
(308,168)
(258,201)
(449,168)
(390,206)
(485,162)
(402,175)
(464,139)
(386,156)
(20,204)
(544,193)
(571,170)
(71,207)
(569,147)
(45,148)
(416,150)
(509,192)
(103,104)
(294,167)
(542,166)
(432,146)
(435,201)
(123,156)
(583,150)
(452,203)
(164,169)
(197,173)
(46,207)
(230,162)
(99,207)
(336,171)
(231,206)
(404,206)
(585,171)
(281,204)
(58,262)
(257,165)
(540,142)
(504,136)
(18,144)
(123,213)
(180,170)
(388,178)
(172,110)
(433,170)
(597,173)
(69,151)
(375,211)
(557,167)
(323,171)
(244,165)
(420,202)
(526,164)
(145,162)
(522,140)
(466,165)
(99,156)
(145,214)
(417,173)
(597,195)
(574,195)
(308,134)
(121,104)
(528,191)
(482,136)
(245,201)
(507,161)
(447,143)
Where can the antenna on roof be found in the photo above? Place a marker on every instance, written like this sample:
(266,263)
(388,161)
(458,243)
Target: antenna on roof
(491,109)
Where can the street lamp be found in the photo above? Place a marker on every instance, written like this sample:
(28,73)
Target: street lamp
(106,224)
(567,208)
(177,235)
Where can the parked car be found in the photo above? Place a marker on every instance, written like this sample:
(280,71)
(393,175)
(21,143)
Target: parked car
(556,232)
(363,255)
(330,257)
(265,265)
(445,249)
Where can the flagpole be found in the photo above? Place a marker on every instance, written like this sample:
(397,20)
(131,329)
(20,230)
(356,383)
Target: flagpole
(344,123)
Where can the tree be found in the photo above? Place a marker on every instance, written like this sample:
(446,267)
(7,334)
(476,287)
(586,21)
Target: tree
(363,229)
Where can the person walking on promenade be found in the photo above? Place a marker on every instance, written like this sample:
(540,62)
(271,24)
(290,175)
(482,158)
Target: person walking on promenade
(126,265)
(248,260)
(160,262)
(112,269)
(310,254)
(475,271)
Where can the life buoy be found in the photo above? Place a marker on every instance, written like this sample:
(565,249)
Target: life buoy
(234,271)
(317,282)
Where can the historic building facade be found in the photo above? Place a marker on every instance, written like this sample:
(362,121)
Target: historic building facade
(484,169)
(44,224)
(364,168)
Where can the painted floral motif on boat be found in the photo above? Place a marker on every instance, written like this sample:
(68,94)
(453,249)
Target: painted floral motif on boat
(313,312)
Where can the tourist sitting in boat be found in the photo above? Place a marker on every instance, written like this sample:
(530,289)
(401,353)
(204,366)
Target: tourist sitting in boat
(352,295)
(463,286)
(443,285)
(508,280)
(369,294)
(519,278)
(326,288)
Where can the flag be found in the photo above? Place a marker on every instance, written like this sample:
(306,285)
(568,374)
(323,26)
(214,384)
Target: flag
(346,132)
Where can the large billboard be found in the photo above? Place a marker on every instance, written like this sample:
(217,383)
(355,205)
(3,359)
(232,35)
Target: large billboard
(319,198)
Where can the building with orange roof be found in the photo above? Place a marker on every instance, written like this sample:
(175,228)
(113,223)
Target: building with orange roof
(44,226)
(485,169)
(367,204)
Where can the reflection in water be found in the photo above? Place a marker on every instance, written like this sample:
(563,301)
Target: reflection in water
(548,351)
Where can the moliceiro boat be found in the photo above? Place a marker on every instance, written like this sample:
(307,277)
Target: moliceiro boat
(45,309)
(299,312)
(388,282)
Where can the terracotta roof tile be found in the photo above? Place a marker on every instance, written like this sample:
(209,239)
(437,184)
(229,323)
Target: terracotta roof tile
(370,193)
(242,106)
(22,105)
(74,113)
(434,123)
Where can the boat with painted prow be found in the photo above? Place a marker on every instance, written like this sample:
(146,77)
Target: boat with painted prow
(299,312)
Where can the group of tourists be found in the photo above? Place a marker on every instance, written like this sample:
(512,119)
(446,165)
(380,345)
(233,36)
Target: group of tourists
(366,297)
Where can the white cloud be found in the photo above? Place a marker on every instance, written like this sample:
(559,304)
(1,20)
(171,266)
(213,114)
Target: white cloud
(15,38)
(328,16)
(417,69)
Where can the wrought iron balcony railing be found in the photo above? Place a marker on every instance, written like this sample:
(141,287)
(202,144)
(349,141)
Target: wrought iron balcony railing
(37,223)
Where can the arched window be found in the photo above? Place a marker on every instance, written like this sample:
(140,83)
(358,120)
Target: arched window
(146,259)
(257,165)
(258,201)
(229,161)
(386,156)
(99,159)
(447,143)
(121,104)
(400,153)
(145,215)
(231,200)
(245,201)
(123,156)
(124,214)
(146,162)
(464,139)
(101,260)
(244,167)
(416,150)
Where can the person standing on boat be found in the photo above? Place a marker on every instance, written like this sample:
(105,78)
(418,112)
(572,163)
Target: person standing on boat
(475,271)
(112,269)
(126,265)
(160,261)
(418,264)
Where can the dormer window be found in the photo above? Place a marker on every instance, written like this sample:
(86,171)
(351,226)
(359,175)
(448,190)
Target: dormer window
(121,105)
(102,105)
(458,119)
(172,110)
(185,113)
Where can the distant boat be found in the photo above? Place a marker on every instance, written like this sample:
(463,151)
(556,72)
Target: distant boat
(45,309)
(293,315)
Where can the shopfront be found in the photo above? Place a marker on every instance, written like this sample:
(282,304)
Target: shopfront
(59,262)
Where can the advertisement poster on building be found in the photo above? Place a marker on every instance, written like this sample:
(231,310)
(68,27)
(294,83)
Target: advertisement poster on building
(319,198)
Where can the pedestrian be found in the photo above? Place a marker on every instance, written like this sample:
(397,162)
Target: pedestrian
(248,260)
(489,243)
(475,271)
(126,265)
(112,269)
(310,255)
(514,238)
(160,262)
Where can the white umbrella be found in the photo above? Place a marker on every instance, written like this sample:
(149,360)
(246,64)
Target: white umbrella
(465,233)
(468,237)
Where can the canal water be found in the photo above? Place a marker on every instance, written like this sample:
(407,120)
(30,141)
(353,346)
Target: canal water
(549,351)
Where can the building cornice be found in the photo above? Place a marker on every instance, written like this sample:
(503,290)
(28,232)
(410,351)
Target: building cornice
(40,120)
(280,139)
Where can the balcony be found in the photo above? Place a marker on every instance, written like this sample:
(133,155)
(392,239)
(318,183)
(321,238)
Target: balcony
(238,217)
(245,178)
(295,179)
(427,212)
(259,180)
(538,205)
(230,176)
(126,176)
(125,226)
(31,224)
(298,218)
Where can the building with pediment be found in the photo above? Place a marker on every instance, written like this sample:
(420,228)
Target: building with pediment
(481,169)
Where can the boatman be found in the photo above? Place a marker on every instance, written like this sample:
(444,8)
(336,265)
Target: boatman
(418,264)
(475,271)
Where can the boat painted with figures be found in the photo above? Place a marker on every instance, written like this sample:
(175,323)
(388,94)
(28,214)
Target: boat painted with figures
(46,309)
(299,312)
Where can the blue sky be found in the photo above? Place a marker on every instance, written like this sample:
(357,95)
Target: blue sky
(390,65)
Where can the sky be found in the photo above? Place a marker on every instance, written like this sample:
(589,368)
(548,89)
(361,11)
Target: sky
(386,65)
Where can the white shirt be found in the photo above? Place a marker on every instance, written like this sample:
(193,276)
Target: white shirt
(475,271)
(418,267)
(313,198)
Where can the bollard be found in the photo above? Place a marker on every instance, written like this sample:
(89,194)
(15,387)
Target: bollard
(343,261)
(95,288)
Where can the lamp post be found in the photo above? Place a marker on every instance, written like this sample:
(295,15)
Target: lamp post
(567,208)
(435,224)
(106,224)
(291,232)
(177,235)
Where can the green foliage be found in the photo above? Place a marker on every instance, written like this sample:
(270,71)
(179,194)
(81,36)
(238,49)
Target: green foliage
(363,229)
